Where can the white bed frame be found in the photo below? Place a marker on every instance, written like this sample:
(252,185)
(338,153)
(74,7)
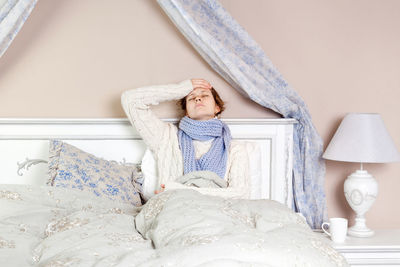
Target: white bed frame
(24,147)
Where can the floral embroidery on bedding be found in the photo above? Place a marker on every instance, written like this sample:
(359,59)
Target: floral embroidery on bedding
(4,243)
(10,195)
(64,224)
(70,167)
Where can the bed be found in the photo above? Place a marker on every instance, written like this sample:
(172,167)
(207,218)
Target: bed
(51,218)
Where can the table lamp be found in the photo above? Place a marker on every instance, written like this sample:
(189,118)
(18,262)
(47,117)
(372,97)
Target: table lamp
(363,138)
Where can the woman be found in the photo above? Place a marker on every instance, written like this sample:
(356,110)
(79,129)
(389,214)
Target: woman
(188,148)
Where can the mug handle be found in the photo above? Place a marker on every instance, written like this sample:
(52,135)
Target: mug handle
(323,229)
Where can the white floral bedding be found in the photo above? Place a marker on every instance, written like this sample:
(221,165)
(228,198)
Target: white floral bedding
(47,226)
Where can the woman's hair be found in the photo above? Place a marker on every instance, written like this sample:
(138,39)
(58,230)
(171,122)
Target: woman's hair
(218,101)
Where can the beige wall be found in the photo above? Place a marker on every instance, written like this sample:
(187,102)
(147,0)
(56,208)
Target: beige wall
(73,58)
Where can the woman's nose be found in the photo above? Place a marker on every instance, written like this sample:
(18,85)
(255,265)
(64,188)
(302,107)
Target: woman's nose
(198,99)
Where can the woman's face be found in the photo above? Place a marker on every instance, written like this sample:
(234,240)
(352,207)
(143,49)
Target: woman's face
(200,105)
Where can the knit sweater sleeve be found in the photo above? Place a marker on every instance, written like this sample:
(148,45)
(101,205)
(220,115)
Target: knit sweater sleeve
(238,178)
(136,104)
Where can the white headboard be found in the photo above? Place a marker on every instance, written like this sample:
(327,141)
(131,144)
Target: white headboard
(24,144)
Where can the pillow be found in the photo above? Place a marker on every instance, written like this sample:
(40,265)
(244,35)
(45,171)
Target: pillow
(255,159)
(70,167)
(150,178)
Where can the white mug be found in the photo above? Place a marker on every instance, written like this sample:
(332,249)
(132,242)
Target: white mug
(337,229)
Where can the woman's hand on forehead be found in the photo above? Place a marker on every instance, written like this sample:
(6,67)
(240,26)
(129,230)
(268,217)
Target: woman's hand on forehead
(200,83)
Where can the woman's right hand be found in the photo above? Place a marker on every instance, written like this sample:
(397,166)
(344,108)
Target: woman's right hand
(161,190)
(200,83)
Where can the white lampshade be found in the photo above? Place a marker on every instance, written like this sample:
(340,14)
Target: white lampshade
(362,137)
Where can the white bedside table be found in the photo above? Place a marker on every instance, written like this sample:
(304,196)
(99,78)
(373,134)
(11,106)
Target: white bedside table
(382,249)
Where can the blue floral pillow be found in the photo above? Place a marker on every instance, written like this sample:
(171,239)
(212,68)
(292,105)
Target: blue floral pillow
(71,167)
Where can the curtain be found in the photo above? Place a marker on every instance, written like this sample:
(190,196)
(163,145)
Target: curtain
(13,14)
(232,53)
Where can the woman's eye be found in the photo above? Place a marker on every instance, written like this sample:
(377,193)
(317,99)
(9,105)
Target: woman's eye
(191,99)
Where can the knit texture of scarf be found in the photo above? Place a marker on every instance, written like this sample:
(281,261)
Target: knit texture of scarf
(216,157)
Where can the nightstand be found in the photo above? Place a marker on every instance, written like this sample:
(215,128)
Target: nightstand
(382,249)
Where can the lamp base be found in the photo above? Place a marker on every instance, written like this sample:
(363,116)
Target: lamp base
(358,233)
(360,229)
(360,189)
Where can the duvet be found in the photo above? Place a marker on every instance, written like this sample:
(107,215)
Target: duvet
(47,226)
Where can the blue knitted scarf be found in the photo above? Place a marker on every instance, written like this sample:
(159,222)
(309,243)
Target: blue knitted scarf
(216,158)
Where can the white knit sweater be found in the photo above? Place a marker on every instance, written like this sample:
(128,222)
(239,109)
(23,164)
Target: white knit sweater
(162,140)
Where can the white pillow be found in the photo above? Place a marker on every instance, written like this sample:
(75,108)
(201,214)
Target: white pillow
(255,159)
(150,177)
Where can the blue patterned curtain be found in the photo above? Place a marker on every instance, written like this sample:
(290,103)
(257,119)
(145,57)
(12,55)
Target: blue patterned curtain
(13,14)
(231,52)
